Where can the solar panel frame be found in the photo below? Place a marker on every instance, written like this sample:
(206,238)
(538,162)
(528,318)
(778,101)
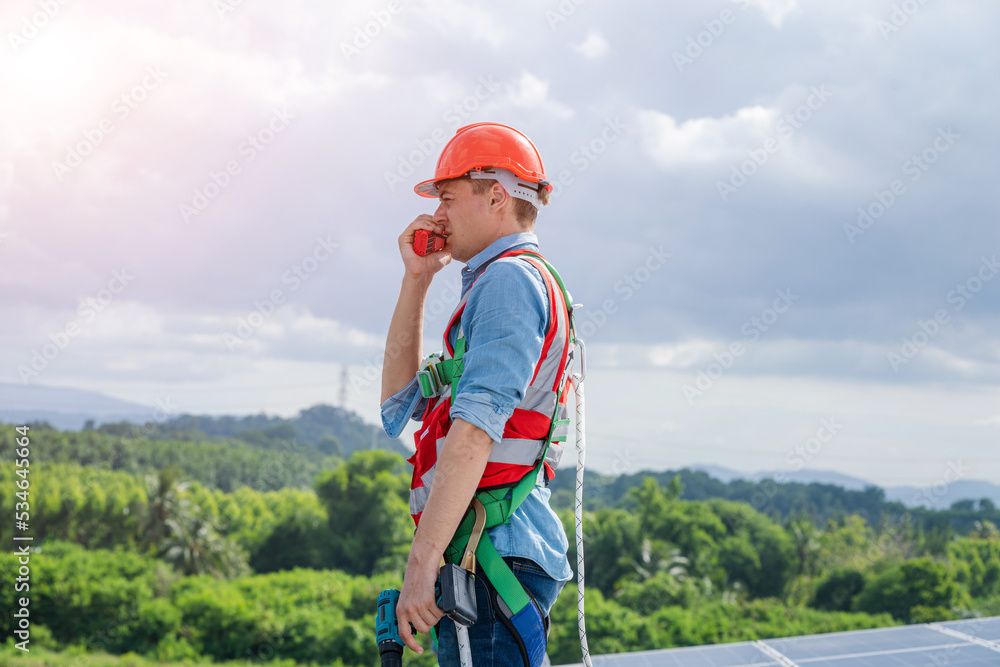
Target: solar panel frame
(984,628)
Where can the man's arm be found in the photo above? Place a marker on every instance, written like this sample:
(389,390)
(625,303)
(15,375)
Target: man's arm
(460,465)
(404,343)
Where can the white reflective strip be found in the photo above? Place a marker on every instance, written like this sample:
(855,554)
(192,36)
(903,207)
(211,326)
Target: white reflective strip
(554,454)
(418,499)
(516,451)
(428,477)
(546,376)
(538,399)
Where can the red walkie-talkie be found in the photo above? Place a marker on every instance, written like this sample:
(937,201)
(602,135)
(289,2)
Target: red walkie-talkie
(426,242)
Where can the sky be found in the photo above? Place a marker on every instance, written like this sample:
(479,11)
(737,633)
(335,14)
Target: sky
(779,215)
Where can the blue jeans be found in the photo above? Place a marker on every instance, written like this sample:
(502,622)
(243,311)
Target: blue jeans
(492,643)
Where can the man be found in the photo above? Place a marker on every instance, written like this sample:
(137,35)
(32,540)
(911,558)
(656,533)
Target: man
(509,339)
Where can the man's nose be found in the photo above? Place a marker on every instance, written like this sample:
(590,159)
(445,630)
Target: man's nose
(440,215)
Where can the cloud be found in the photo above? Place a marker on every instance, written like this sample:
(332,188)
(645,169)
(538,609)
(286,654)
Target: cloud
(704,140)
(775,10)
(391,108)
(593,46)
(530,92)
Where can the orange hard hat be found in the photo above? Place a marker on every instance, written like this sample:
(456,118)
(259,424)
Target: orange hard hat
(486,145)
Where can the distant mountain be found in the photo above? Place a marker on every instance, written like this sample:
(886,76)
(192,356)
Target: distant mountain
(942,497)
(65,408)
(720,473)
(323,428)
(804,476)
(938,498)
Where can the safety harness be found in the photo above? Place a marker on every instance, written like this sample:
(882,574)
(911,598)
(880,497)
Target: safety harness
(518,610)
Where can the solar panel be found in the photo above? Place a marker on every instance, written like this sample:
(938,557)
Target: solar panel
(968,643)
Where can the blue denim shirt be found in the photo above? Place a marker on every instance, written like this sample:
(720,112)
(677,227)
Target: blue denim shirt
(504,324)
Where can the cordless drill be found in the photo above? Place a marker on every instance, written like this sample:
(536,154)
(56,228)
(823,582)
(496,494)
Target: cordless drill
(390,645)
(455,593)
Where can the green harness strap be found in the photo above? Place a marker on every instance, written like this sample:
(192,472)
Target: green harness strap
(498,507)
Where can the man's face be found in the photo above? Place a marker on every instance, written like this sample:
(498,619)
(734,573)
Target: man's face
(463,214)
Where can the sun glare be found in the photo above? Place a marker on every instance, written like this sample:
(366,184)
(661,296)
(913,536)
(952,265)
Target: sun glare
(55,67)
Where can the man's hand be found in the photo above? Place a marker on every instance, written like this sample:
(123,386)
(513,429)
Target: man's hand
(427,265)
(416,602)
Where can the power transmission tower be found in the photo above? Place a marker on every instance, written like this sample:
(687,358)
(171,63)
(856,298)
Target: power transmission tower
(343,386)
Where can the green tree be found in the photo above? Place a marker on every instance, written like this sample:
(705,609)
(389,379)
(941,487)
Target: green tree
(367,504)
(805,539)
(194,546)
(163,506)
(837,590)
(905,586)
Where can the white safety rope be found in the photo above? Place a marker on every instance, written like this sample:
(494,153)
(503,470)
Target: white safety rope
(461,632)
(580,455)
(464,649)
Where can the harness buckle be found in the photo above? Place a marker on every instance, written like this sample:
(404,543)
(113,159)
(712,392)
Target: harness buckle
(469,559)
(430,378)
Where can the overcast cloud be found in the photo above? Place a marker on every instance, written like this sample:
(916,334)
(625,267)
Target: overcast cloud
(200,200)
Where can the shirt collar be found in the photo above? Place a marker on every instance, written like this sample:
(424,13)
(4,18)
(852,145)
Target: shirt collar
(498,247)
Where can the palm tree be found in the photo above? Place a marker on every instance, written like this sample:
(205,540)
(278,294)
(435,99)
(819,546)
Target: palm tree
(184,536)
(194,546)
(804,537)
(163,502)
(658,556)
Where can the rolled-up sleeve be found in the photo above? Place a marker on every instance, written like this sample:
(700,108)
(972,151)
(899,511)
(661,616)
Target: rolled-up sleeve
(504,325)
(399,408)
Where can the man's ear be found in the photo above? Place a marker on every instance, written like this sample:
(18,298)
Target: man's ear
(498,197)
